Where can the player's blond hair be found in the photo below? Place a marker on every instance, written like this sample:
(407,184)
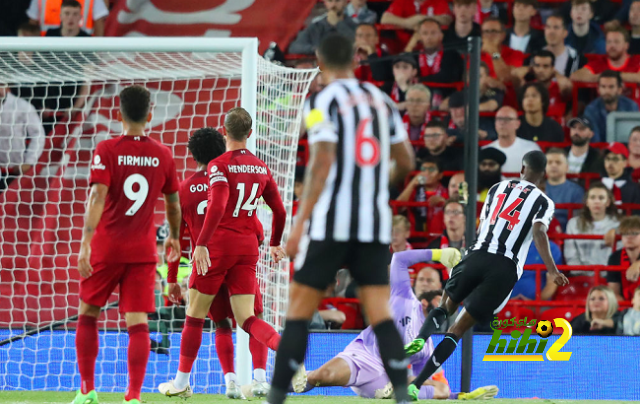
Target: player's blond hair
(238,123)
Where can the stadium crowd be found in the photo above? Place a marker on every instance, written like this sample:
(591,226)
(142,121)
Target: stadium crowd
(550,74)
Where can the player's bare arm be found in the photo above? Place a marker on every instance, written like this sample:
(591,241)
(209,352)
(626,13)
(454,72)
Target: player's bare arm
(174,217)
(92,216)
(323,154)
(174,291)
(404,158)
(272,198)
(541,239)
(219,194)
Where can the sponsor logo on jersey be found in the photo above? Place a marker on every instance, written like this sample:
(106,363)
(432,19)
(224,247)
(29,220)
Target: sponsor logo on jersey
(96,163)
(139,161)
(247,169)
(522,347)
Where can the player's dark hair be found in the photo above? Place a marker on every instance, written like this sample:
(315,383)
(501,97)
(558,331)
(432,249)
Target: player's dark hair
(70,3)
(135,102)
(336,51)
(535,161)
(238,124)
(206,144)
(585,219)
(428,296)
(494,19)
(611,74)
(541,89)
(546,54)
(436,123)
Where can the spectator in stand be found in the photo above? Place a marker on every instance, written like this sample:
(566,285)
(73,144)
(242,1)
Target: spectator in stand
(435,64)
(598,216)
(70,19)
(522,37)
(334,21)
(408,14)
(488,8)
(567,59)
(500,58)
(490,162)
(463,26)
(610,99)
(622,15)
(45,14)
(428,279)
(358,11)
(491,92)
(400,232)
(584,36)
(513,147)
(405,72)
(617,59)
(603,10)
(601,313)
(629,321)
(618,178)
(368,53)
(457,111)
(435,142)
(418,103)
(625,283)
(21,136)
(454,186)
(634,22)
(535,125)
(634,151)
(427,187)
(558,188)
(525,288)
(582,158)
(542,71)
(454,223)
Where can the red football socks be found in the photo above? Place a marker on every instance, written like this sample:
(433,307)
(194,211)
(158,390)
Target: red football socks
(138,356)
(259,352)
(262,331)
(224,348)
(87,351)
(190,343)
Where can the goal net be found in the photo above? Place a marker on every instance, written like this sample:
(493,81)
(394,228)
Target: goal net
(73,87)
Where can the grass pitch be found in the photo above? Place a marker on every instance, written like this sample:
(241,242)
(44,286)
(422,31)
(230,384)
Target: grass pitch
(46,397)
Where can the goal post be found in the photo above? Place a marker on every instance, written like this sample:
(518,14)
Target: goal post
(193,82)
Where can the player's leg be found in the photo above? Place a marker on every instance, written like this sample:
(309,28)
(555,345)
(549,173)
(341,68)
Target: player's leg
(336,372)
(94,293)
(137,299)
(242,285)
(259,353)
(316,268)
(368,266)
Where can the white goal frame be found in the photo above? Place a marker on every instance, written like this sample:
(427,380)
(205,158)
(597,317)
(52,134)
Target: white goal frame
(248,94)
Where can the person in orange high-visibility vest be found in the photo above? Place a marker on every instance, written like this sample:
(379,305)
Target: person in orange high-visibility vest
(49,14)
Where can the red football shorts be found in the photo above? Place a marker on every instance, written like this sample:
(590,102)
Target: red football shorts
(221,306)
(232,270)
(136,281)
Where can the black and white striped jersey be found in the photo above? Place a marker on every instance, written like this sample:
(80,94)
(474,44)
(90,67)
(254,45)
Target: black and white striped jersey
(364,123)
(507,218)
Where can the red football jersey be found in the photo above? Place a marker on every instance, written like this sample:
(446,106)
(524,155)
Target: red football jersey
(237,180)
(408,8)
(631,65)
(557,105)
(510,56)
(137,171)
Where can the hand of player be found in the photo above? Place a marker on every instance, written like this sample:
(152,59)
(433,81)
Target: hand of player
(173,245)
(175,293)
(84,267)
(559,278)
(277,253)
(201,259)
(291,248)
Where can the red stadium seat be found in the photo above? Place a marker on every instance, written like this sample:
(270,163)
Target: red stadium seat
(568,313)
(578,289)
(519,312)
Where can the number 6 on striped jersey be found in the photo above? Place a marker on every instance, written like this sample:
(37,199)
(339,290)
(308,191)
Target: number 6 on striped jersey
(367,147)
(251,204)
(138,197)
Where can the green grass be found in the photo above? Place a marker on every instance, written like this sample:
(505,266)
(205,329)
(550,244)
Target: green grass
(45,397)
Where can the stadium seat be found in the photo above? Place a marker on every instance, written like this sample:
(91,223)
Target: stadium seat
(519,312)
(568,313)
(578,289)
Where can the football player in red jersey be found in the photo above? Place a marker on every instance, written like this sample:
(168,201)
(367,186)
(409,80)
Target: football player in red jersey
(205,145)
(118,246)
(227,247)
